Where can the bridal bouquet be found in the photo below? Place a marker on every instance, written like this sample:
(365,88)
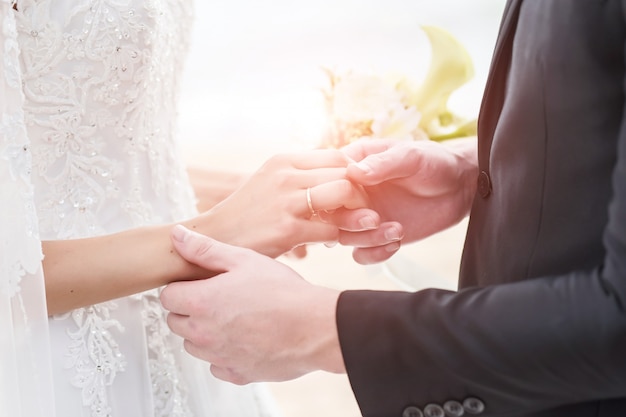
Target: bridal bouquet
(395,106)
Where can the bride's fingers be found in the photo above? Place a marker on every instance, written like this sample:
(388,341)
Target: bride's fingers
(310,177)
(387,233)
(335,194)
(319,158)
(299,252)
(318,232)
(361,149)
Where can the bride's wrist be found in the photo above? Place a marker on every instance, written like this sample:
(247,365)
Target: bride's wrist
(219,225)
(175,267)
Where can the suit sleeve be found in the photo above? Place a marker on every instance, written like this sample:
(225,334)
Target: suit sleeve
(530,345)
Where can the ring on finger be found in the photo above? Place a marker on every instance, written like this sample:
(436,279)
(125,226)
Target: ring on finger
(309,202)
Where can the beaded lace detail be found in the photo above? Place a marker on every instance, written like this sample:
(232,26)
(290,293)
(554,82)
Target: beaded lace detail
(95,356)
(101,89)
(169,395)
(100,79)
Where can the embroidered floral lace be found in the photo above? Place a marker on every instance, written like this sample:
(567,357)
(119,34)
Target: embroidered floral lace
(100,83)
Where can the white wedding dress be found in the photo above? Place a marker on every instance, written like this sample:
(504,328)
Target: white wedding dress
(25,362)
(100,81)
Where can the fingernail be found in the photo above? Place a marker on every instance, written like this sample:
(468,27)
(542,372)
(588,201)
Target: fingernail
(180,233)
(392,234)
(392,247)
(363,167)
(367,223)
(330,244)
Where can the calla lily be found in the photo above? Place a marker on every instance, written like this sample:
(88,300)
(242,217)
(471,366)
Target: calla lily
(395,106)
(450,67)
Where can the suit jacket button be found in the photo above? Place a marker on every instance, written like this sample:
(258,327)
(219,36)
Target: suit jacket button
(484,184)
(453,409)
(412,412)
(473,405)
(434,410)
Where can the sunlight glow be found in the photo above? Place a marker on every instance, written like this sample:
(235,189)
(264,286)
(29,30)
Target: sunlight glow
(255,70)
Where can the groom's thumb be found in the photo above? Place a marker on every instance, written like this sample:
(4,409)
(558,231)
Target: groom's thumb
(202,250)
(396,162)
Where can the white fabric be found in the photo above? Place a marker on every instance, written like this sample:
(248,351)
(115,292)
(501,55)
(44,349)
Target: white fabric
(25,371)
(100,81)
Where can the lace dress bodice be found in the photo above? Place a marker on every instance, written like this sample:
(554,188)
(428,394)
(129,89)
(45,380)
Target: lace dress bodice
(100,80)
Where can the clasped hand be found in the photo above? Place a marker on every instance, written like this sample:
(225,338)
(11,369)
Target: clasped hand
(258,320)
(276,209)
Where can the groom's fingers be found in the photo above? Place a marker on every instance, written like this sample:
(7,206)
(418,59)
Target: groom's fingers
(388,232)
(400,161)
(177,322)
(229,375)
(355,220)
(175,299)
(360,149)
(199,250)
(367,256)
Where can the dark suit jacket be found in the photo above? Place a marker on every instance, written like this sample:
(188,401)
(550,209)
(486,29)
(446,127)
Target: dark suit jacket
(538,326)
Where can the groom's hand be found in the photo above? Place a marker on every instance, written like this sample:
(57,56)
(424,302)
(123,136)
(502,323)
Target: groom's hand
(256,320)
(424,186)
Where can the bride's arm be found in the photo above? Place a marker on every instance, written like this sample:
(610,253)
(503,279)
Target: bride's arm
(268,213)
(88,271)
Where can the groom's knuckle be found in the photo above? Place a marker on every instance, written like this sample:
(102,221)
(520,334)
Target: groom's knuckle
(203,339)
(413,156)
(199,305)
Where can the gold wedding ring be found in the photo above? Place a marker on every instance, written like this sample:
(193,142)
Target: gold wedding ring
(309,203)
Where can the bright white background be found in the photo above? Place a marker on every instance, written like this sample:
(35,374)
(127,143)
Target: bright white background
(254,74)
(252,88)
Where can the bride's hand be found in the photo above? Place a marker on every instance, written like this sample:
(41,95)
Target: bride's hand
(275,210)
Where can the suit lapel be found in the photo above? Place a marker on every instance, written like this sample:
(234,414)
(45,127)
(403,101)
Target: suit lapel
(493,97)
(508,24)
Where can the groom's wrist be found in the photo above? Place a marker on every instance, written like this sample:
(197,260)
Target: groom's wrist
(327,356)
